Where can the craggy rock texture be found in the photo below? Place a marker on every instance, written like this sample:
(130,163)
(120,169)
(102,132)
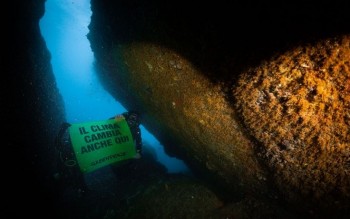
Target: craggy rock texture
(176,64)
(178,72)
(297,105)
(177,196)
(172,197)
(191,110)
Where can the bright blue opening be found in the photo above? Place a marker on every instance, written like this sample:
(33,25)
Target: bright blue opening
(64,28)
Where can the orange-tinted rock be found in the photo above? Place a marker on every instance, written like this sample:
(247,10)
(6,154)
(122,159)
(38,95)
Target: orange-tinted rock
(297,106)
(177,67)
(179,103)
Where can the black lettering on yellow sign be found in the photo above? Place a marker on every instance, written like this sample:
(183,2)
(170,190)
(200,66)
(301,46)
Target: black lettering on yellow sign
(101,135)
(96,146)
(103,144)
(121,139)
(97,128)
(83,131)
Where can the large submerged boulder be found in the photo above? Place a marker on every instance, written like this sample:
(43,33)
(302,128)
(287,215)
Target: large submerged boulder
(297,106)
(261,114)
(149,62)
(184,109)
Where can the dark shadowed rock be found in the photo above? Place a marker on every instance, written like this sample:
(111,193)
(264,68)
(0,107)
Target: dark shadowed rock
(178,196)
(297,105)
(31,112)
(176,63)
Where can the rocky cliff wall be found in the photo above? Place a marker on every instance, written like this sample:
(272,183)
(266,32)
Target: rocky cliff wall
(31,112)
(205,78)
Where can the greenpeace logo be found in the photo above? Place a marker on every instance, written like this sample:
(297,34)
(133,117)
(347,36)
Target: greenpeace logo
(107,158)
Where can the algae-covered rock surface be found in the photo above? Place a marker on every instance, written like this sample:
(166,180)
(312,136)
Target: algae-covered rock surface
(178,196)
(253,96)
(189,109)
(259,108)
(297,105)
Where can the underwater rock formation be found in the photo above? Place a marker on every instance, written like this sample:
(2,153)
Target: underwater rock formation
(178,68)
(187,98)
(297,106)
(178,196)
(185,109)
(31,111)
